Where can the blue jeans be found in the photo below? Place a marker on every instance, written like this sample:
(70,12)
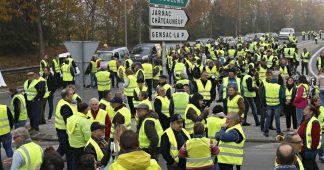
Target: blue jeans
(321,150)
(322,97)
(20,124)
(249,102)
(93,80)
(299,115)
(5,140)
(270,111)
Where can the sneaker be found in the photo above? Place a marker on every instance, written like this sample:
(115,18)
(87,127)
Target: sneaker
(246,124)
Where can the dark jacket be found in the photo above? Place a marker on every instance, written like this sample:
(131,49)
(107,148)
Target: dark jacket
(16,107)
(151,133)
(41,89)
(51,83)
(89,149)
(164,120)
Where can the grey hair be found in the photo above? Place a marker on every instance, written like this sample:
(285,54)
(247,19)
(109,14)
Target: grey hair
(22,132)
(236,117)
(93,100)
(159,88)
(289,137)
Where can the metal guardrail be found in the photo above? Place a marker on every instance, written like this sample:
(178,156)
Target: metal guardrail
(19,70)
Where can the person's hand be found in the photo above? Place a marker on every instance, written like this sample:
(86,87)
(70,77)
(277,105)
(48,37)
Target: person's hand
(225,125)
(7,161)
(206,109)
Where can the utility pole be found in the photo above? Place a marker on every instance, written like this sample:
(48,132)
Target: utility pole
(125,22)
(140,23)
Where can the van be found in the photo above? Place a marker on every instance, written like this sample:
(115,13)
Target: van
(285,33)
(106,55)
(145,50)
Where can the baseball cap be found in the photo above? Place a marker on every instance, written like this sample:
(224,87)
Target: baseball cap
(117,100)
(176,117)
(96,125)
(143,106)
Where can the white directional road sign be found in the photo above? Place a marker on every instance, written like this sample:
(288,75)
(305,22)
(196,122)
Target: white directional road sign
(168,35)
(167,17)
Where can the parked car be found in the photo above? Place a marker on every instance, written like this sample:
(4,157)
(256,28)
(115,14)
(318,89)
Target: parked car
(285,32)
(141,51)
(204,41)
(107,54)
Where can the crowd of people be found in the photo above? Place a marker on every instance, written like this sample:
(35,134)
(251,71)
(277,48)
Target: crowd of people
(175,115)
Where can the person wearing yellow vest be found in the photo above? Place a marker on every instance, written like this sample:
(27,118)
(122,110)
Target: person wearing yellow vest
(105,104)
(103,81)
(164,84)
(179,101)
(92,69)
(121,75)
(97,145)
(170,66)
(310,132)
(171,141)
(42,84)
(157,72)
(235,102)
(132,157)
(179,68)
(18,107)
(28,155)
(285,157)
(183,79)
(320,61)
(122,115)
(78,130)
(275,97)
(305,56)
(149,130)
(96,114)
(232,139)
(205,87)
(128,62)
(289,108)
(43,64)
(296,142)
(139,72)
(301,98)
(161,107)
(232,79)
(195,112)
(215,121)
(129,86)
(199,150)
(112,68)
(62,112)
(144,99)
(67,74)
(33,93)
(56,69)
(249,85)
(140,87)
(148,74)
(52,85)
(6,125)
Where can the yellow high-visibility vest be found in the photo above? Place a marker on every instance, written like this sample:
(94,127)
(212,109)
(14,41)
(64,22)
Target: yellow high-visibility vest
(98,150)
(204,91)
(103,80)
(32,154)
(22,106)
(288,94)
(309,133)
(128,91)
(198,151)
(57,68)
(125,112)
(148,70)
(4,121)
(232,104)
(225,83)
(272,94)
(305,93)
(180,102)
(214,125)
(165,105)
(59,121)
(94,67)
(121,69)
(67,75)
(189,124)
(305,57)
(248,93)
(109,108)
(41,71)
(46,94)
(147,102)
(112,65)
(179,67)
(101,116)
(30,90)
(143,139)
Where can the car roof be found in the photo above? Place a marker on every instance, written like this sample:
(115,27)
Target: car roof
(112,49)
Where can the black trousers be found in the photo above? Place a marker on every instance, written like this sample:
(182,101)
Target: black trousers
(33,111)
(58,80)
(149,83)
(290,113)
(304,67)
(113,75)
(131,105)
(76,154)
(100,94)
(64,147)
(228,166)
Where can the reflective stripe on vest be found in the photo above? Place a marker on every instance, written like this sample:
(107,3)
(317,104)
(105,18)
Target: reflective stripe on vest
(180,102)
(173,143)
(305,93)
(214,125)
(112,65)
(103,80)
(309,133)
(98,150)
(204,90)
(57,68)
(4,121)
(248,93)
(143,139)
(305,57)
(148,70)
(198,151)
(32,154)
(225,84)
(288,94)
(128,91)
(101,116)
(189,124)
(272,94)
(30,90)
(22,106)
(165,105)
(232,104)
(232,152)
(67,76)
(94,68)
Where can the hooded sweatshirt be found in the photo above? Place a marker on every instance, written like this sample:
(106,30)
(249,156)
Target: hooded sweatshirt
(78,130)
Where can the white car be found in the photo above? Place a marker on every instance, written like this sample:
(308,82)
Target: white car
(285,32)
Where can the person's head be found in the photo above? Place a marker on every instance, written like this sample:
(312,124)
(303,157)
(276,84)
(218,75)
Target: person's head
(309,111)
(20,135)
(161,91)
(142,110)
(233,119)
(45,57)
(37,75)
(98,130)
(71,87)
(186,88)
(305,50)
(204,76)
(67,94)
(163,79)
(120,129)
(179,86)
(285,155)
(116,102)
(316,101)
(290,81)
(197,100)
(94,104)
(294,140)
(52,160)
(302,79)
(83,108)
(13,90)
(142,95)
(47,71)
(107,95)
(231,90)
(30,76)
(198,128)
(283,62)
(217,109)
(129,141)
(140,83)
(269,75)
(87,162)
(176,122)
(231,73)
(129,72)
(210,63)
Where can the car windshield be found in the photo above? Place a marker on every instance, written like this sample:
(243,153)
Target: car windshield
(285,30)
(105,55)
(141,50)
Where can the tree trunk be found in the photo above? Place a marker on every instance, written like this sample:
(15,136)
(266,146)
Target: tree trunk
(40,32)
